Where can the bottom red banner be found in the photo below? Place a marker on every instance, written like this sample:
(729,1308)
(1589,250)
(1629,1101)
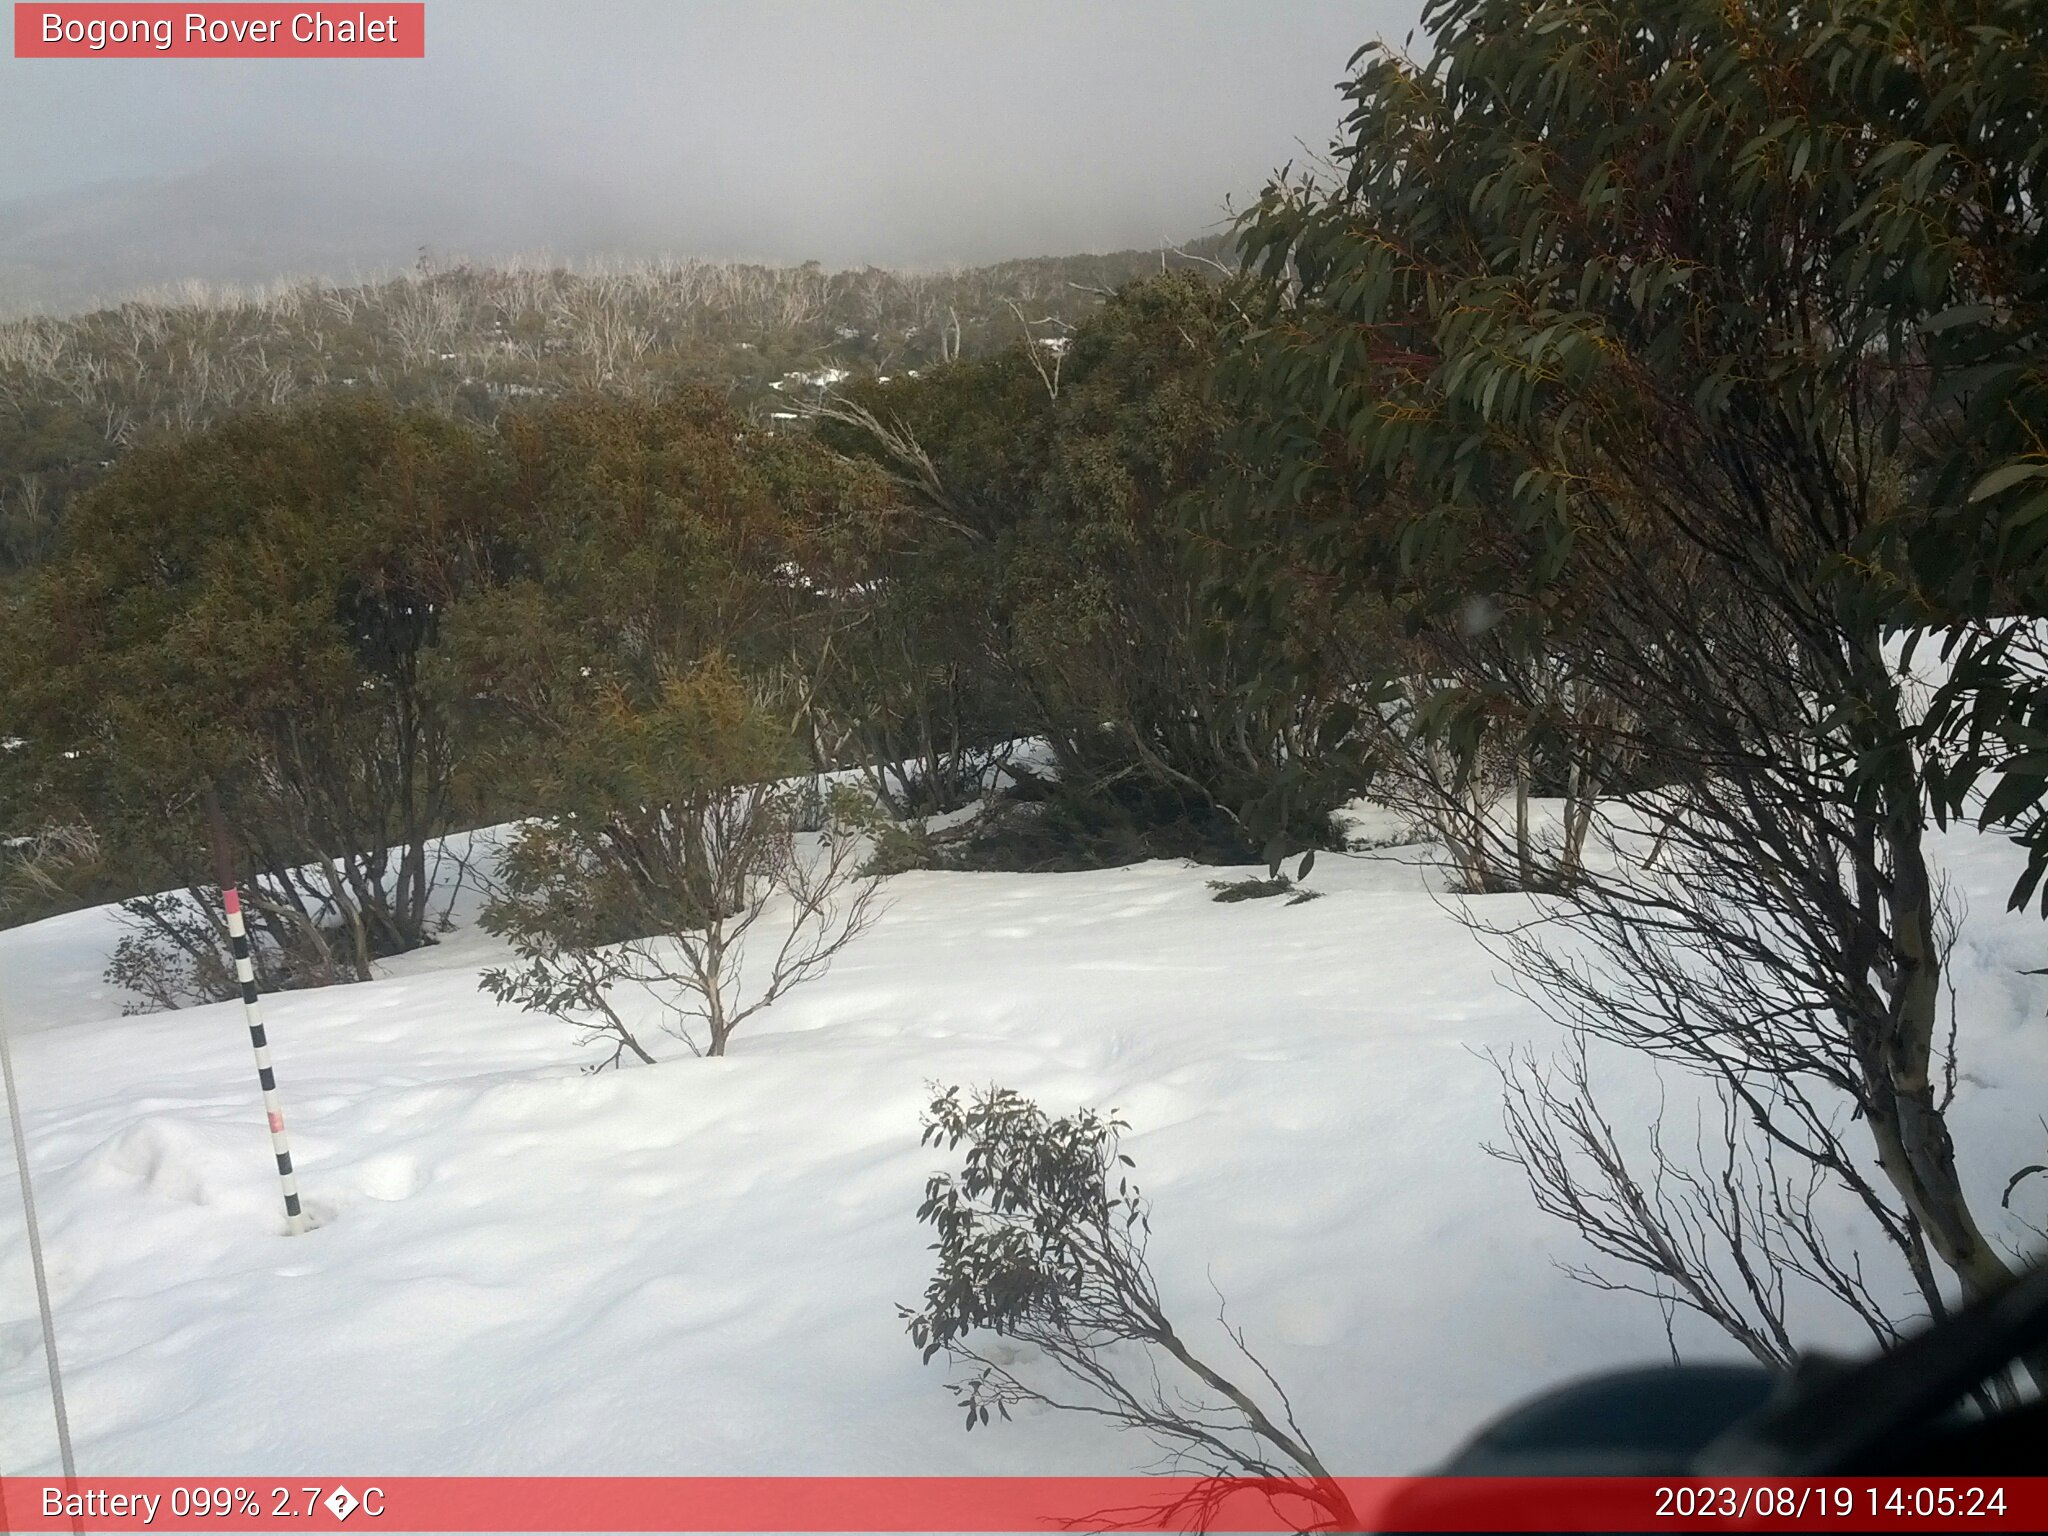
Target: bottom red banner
(1024,1504)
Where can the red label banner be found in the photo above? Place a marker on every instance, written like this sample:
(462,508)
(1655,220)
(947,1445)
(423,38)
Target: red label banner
(1025,1504)
(241,31)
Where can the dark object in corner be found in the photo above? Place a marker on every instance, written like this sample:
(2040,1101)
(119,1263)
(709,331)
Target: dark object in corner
(1905,1413)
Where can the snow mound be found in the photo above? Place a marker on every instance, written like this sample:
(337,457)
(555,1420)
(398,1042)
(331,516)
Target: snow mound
(179,1160)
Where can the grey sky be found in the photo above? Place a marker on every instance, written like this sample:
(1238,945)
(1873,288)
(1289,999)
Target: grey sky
(848,130)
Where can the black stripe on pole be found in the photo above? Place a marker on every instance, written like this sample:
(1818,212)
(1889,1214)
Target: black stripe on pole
(291,1205)
(256,1035)
(249,992)
(284,1162)
(267,1078)
(239,943)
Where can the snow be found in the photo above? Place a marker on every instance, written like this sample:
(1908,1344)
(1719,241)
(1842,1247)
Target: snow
(821,378)
(694,1267)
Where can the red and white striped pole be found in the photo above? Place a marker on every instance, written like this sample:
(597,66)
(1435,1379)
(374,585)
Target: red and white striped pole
(252,1009)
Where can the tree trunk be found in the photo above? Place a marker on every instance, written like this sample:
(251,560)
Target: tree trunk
(1913,1141)
(1914,1147)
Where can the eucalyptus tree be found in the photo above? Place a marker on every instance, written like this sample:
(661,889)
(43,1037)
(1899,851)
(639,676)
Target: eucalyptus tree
(1634,327)
(639,690)
(257,611)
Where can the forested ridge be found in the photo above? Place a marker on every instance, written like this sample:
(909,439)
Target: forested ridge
(78,391)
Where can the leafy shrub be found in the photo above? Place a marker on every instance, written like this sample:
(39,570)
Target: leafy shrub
(1252,888)
(1039,1255)
(1045,823)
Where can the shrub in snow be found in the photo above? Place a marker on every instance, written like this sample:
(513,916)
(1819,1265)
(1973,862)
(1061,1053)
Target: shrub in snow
(809,805)
(674,850)
(1252,888)
(1037,1248)
(895,847)
(41,870)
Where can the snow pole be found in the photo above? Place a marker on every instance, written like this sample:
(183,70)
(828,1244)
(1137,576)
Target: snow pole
(34,1231)
(252,1010)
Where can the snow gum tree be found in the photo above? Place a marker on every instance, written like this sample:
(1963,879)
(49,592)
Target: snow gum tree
(1624,319)
(671,839)
(260,609)
(1058,523)
(634,690)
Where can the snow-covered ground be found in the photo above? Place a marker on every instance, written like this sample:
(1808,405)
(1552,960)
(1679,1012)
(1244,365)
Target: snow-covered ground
(694,1268)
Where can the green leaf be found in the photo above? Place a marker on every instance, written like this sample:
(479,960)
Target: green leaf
(2010,475)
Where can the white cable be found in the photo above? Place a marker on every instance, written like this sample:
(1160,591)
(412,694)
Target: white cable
(35,1252)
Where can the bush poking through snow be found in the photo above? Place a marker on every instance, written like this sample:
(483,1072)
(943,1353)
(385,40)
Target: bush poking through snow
(679,843)
(894,847)
(1253,888)
(1037,1248)
(726,866)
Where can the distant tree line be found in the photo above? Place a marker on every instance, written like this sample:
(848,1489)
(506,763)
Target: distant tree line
(77,392)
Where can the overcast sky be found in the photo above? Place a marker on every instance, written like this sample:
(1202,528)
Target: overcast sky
(847,130)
